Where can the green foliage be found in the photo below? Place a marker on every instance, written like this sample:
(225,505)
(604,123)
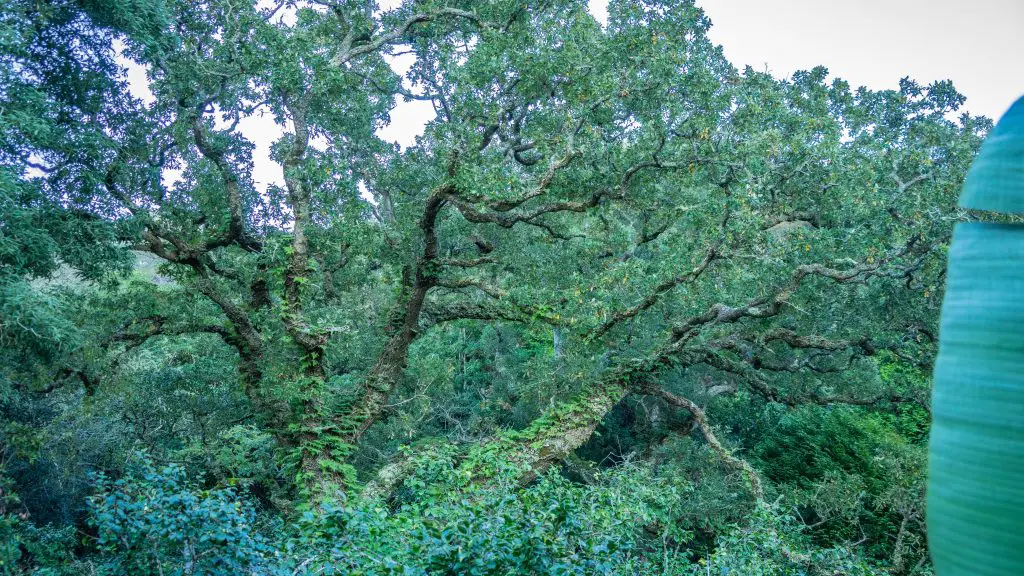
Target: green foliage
(869,484)
(771,545)
(154,522)
(801,451)
(553,527)
(452,357)
(625,522)
(246,456)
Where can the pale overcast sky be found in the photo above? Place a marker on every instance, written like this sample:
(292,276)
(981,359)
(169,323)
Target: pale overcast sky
(978,44)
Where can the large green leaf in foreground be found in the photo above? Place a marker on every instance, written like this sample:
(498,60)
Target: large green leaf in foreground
(996,180)
(976,477)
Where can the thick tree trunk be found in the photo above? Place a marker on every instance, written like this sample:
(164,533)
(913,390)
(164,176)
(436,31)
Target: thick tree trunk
(388,369)
(321,447)
(391,363)
(562,429)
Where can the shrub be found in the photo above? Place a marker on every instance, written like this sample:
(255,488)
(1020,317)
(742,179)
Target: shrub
(154,522)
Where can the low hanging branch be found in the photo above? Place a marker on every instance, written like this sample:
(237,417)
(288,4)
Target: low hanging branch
(756,382)
(769,306)
(732,461)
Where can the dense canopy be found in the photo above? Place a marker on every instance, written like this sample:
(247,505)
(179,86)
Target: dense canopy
(621,309)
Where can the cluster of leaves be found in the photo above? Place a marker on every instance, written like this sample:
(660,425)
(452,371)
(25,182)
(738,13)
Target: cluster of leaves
(153,523)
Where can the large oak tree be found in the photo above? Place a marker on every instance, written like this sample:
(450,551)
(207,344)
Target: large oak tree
(675,227)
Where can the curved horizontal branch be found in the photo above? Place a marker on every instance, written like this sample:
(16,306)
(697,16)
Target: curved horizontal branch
(528,217)
(155,326)
(347,51)
(658,292)
(450,312)
(466,263)
(460,283)
(769,306)
(757,384)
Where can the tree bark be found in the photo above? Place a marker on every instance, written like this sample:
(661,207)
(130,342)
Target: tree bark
(391,363)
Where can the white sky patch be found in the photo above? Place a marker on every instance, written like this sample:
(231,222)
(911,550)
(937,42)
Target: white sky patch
(284,15)
(408,119)
(262,131)
(599,10)
(365,193)
(320,143)
(32,171)
(136,74)
(978,45)
(171,176)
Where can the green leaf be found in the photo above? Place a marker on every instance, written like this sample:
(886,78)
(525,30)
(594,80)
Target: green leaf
(975,493)
(996,179)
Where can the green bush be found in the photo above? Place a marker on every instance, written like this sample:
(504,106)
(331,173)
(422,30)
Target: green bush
(771,545)
(619,525)
(154,521)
